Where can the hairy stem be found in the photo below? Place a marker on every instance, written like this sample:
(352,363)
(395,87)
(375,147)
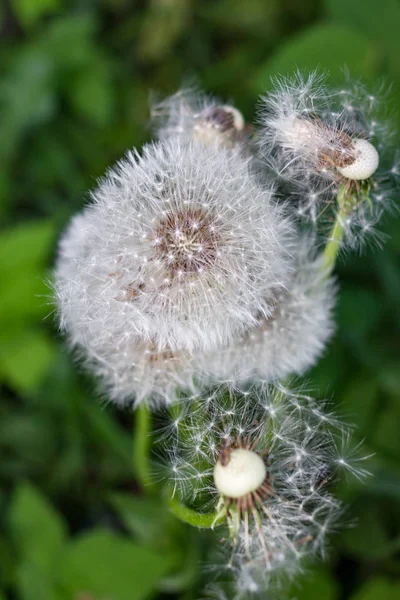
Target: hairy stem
(141,447)
(337,232)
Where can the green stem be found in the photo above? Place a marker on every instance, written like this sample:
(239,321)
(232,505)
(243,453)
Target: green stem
(192,517)
(182,512)
(140,455)
(337,233)
(141,447)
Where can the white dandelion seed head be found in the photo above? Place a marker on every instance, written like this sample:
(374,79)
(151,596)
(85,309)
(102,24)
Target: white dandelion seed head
(193,115)
(292,338)
(316,139)
(132,371)
(269,452)
(222,124)
(304,135)
(180,247)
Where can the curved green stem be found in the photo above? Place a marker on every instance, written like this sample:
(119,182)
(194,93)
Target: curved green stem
(141,461)
(333,246)
(192,517)
(348,198)
(141,448)
(337,233)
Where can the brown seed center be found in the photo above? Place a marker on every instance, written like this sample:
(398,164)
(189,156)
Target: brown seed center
(186,241)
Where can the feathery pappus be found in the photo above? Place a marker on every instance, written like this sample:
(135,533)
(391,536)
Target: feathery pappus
(193,115)
(178,252)
(319,140)
(292,339)
(264,456)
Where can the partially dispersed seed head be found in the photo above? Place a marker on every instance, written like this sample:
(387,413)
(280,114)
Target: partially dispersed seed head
(366,161)
(218,123)
(190,115)
(238,119)
(316,138)
(355,159)
(300,133)
(242,473)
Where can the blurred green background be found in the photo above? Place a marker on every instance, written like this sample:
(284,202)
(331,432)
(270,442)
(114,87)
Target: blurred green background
(75,82)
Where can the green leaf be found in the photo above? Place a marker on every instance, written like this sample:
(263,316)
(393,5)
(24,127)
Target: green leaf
(110,566)
(34,583)
(386,433)
(359,400)
(357,541)
(376,20)
(28,12)
(316,585)
(24,252)
(25,358)
(7,566)
(37,530)
(378,588)
(70,41)
(325,47)
(91,94)
(146,518)
(25,247)
(150,521)
(143,517)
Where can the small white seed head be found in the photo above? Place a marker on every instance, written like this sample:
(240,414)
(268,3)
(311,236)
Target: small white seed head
(238,119)
(365,164)
(242,473)
(218,124)
(195,116)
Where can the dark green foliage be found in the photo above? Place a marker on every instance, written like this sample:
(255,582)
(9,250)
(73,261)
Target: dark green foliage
(75,81)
